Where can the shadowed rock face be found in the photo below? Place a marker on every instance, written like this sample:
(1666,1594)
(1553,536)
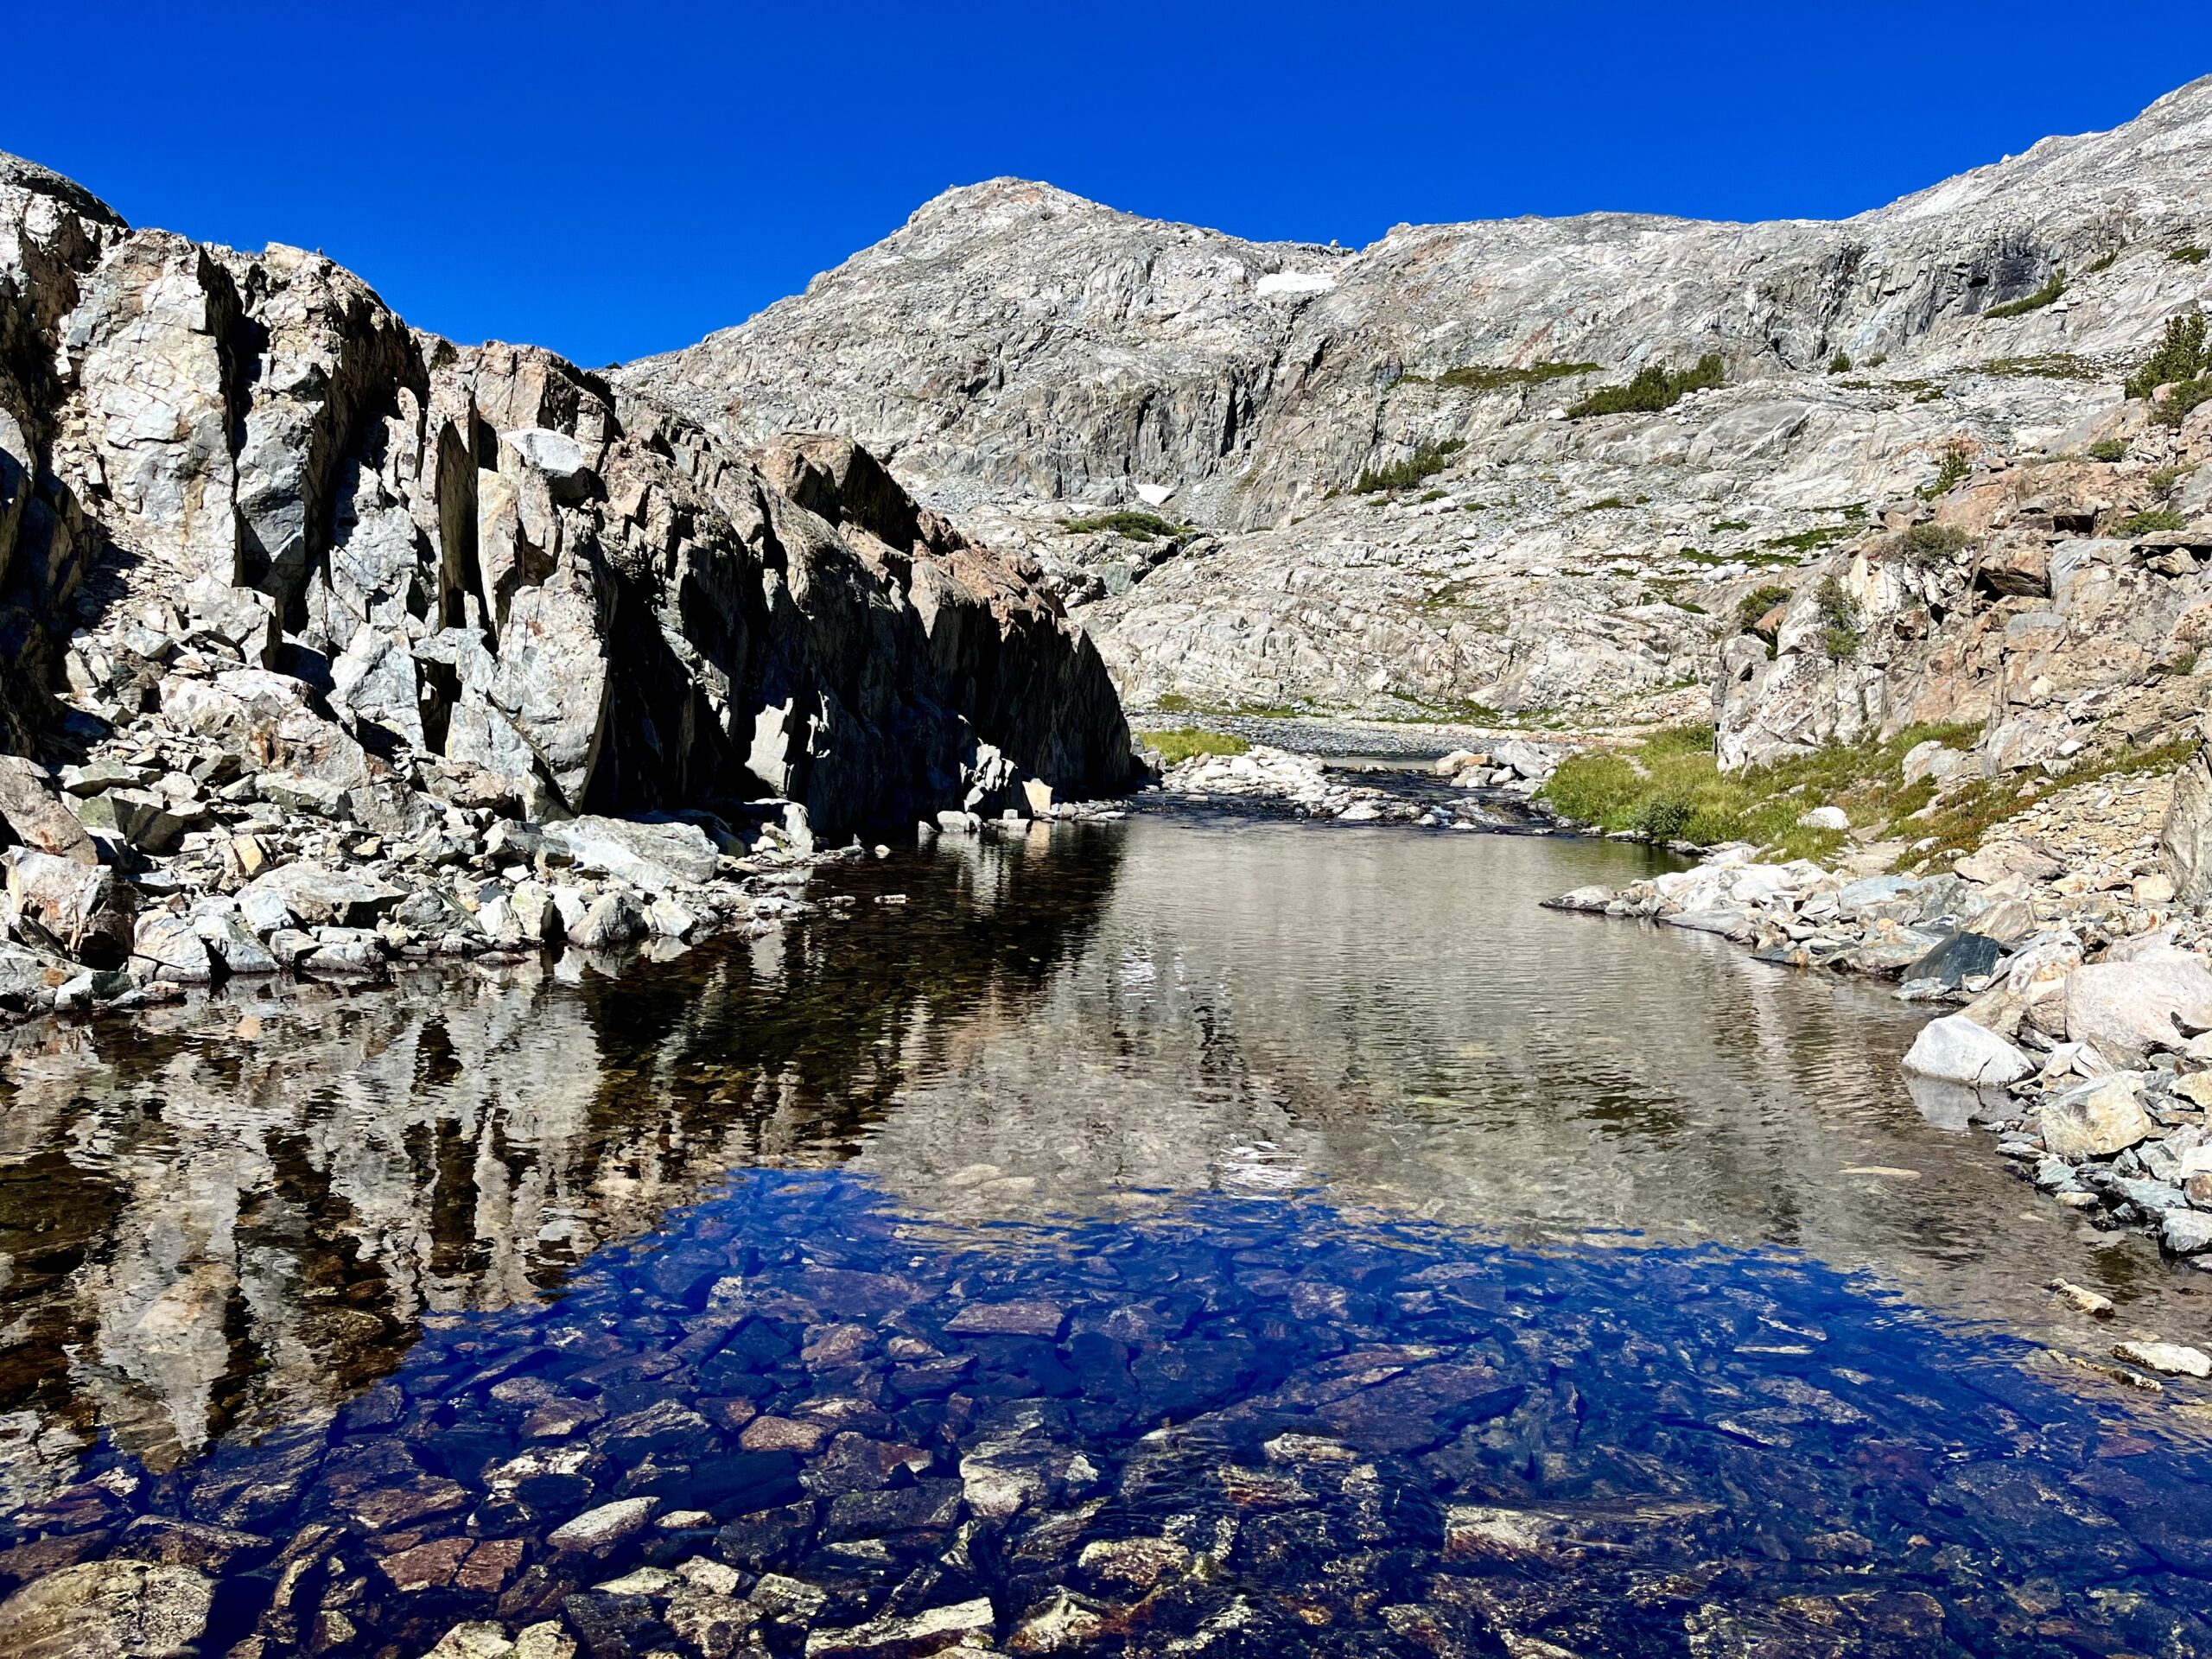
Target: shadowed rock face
(487,560)
(1013,349)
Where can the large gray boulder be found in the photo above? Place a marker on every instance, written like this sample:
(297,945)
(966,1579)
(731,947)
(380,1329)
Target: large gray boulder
(2126,1010)
(35,817)
(2096,1119)
(315,894)
(81,910)
(1957,1050)
(653,856)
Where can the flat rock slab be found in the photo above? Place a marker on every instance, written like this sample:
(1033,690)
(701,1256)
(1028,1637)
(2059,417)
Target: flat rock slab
(1027,1318)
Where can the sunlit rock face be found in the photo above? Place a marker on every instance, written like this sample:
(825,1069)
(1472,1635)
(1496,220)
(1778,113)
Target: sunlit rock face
(1027,358)
(488,561)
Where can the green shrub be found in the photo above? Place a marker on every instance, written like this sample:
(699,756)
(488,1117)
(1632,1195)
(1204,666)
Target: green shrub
(2179,357)
(2150,524)
(1841,637)
(1136,527)
(2175,407)
(1663,817)
(2035,302)
(2163,479)
(1840,364)
(2103,262)
(1953,468)
(1181,745)
(1654,387)
(1757,603)
(2109,449)
(1877,359)
(1923,545)
(2191,255)
(1606,504)
(1427,460)
(1478,376)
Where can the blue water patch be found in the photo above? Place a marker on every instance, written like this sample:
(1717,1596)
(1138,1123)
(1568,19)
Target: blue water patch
(799,1419)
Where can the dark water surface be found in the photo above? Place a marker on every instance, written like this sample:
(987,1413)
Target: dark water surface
(1181,1235)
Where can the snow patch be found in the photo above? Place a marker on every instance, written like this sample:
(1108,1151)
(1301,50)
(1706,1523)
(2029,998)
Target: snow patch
(1152,494)
(1296,281)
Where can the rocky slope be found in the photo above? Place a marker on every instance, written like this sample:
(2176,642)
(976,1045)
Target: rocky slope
(1029,358)
(295,595)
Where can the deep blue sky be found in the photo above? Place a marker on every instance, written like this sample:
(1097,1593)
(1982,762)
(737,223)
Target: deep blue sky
(610,180)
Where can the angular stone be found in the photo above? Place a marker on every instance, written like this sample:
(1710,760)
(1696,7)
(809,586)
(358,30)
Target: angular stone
(599,1529)
(36,818)
(652,856)
(612,920)
(168,947)
(83,909)
(1957,1050)
(2126,1010)
(313,893)
(2096,1119)
(106,1609)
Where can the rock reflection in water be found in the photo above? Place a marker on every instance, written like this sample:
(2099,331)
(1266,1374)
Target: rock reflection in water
(1168,1238)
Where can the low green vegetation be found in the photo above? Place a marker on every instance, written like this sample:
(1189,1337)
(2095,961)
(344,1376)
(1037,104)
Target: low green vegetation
(2035,302)
(2163,479)
(1751,607)
(1180,744)
(1670,787)
(1926,545)
(2191,255)
(1427,460)
(2048,365)
(1136,527)
(1607,504)
(2109,449)
(1482,377)
(2150,524)
(1840,364)
(2103,262)
(1953,468)
(1841,623)
(1813,540)
(2181,361)
(1720,525)
(1653,388)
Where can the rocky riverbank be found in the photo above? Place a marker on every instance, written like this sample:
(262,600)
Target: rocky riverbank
(2084,1030)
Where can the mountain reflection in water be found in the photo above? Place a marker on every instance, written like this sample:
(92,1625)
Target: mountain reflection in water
(1485,1268)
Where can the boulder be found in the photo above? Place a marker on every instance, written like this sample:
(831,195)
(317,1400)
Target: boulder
(652,856)
(2185,843)
(1958,1050)
(1959,958)
(2127,1009)
(168,947)
(612,919)
(313,893)
(106,1609)
(146,821)
(36,818)
(81,910)
(2096,1119)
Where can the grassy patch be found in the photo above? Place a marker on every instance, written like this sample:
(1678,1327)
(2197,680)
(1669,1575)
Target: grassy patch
(1136,527)
(1720,525)
(2103,262)
(2045,296)
(2050,365)
(1812,540)
(2109,449)
(1482,377)
(1653,388)
(1176,746)
(1427,460)
(2150,524)
(1670,788)
(2191,255)
(1840,364)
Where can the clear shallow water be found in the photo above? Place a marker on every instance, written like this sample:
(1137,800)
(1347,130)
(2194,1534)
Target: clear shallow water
(1183,1235)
